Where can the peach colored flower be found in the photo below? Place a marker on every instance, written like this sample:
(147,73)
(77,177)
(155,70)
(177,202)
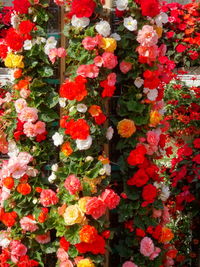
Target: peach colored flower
(147,36)
(25,93)
(153,137)
(155,118)
(109,60)
(73,215)
(112,78)
(29,129)
(126,128)
(28,224)
(149,52)
(95,207)
(88,71)
(28,114)
(98,61)
(129,264)
(39,127)
(89,43)
(110,199)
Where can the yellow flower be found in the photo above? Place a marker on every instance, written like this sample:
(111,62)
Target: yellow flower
(155,118)
(14,61)
(85,263)
(159,31)
(73,215)
(108,44)
(82,203)
(126,128)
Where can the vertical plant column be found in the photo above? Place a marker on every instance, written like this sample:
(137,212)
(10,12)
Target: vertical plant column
(27,115)
(142,235)
(83,174)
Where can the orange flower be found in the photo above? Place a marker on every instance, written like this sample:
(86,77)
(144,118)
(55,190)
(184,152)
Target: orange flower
(66,149)
(8,182)
(24,189)
(104,160)
(88,234)
(189,31)
(22,84)
(18,73)
(126,128)
(61,210)
(166,235)
(95,110)
(155,118)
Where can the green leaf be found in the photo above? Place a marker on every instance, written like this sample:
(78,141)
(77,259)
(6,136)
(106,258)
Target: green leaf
(45,71)
(73,252)
(52,100)
(72,234)
(138,222)
(48,115)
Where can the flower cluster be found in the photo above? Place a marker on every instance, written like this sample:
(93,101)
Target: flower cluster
(181,32)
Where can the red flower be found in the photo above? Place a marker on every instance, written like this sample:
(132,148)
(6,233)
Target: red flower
(108,90)
(21,6)
(64,243)
(18,40)
(150,8)
(193,54)
(74,90)
(180,48)
(137,156)
(196,159)
(95,207)
(169,34)
(9,218)
(100,119)
(151,79)
(196,143)
(149,194)
(24,261)
(140,232)
(77,129)
(96,247)
(3,51)
(83,8)
(139,179)
(26,26)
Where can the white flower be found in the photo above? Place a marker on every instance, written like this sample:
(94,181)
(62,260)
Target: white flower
(116,36)
(165,192)
(50,44)
(130,24)
(81,108)
(54,167)
(40,40)
(161,19)
(72,109)
(89,158)
(35,200)
(52,178)
(80,22)
(13,150)
(62,102)
(15,20)
(32,172)
(58,139)
(152,94)
(4,241)
(107,168)
(102,171)
(28,45)
(138,82)
(109,133)
(121,4)
(103,28)
(84,144)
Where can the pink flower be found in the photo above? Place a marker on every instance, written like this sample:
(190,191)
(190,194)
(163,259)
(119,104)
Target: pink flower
(16,168)
(39,127)
(52,55)
(147,36)
(153,137)
(20,104)
(129,264)
(66,263)
(59,2)
(28,224)
(180,48)
(29,129)
(61,52)
(62,254)
(48,197)
(28,114)
(89,43)
(95,207)
(98,61)
(155,253)
(112,78)
(110,199)
(25,157)
(125,66)
(90,71)
(17,249)
(157,213)
(43,239)
(146,246)
(72,184)
(165,215)
(109,60)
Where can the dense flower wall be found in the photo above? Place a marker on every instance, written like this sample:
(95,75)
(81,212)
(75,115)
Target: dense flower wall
(142,237)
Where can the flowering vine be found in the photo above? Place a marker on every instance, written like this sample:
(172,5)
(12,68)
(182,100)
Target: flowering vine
(83,174)
(143,237)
